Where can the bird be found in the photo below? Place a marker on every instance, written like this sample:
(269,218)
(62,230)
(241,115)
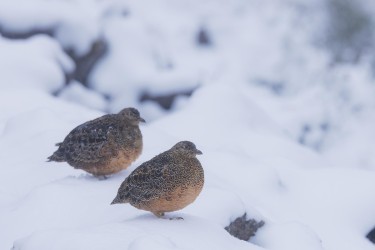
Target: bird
(103,146)
(168,182)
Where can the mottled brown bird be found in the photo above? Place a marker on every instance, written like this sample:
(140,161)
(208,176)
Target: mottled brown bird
(103,146)
(168,182)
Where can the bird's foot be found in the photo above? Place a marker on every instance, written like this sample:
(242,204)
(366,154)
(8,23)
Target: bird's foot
(159,214)
(101,177)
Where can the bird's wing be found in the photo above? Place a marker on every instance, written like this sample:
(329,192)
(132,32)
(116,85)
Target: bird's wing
(92,140)
(149,181)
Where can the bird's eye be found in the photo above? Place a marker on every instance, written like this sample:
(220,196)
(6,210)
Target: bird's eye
(135,112)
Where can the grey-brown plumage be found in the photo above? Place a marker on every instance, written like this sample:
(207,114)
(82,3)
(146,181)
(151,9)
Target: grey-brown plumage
(168,182)
(103,146)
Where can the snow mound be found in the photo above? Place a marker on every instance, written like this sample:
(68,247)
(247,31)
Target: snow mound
(191,233)
(38,62)
(74,24)
(77,93)
(288,236)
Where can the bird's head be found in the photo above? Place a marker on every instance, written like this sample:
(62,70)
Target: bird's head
(186,147)
(131,115)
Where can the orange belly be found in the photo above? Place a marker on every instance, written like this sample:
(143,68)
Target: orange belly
(115,164)
(176,200)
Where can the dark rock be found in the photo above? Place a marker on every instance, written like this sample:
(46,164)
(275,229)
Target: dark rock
(85,63)
(349,33)
(371,235)
(313,135)
(26,34)
(203,37)
(166,100)
(244,229)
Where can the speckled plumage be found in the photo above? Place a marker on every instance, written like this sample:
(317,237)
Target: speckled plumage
(168,182)
(103,146)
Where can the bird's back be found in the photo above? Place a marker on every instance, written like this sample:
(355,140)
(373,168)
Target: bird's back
(103,146)
(160,176)
(85,143)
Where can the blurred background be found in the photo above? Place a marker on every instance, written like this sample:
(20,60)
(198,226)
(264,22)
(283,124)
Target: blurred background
(308,64)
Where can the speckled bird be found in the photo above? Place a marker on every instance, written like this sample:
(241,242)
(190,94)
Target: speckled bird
(103,146)
(168,182)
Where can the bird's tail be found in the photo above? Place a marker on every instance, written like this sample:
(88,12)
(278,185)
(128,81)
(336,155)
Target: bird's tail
(57,156)
(118,200)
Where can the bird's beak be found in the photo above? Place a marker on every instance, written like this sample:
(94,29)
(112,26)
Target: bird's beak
(141,119)
(198,152)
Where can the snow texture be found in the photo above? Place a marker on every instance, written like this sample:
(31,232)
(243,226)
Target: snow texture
(38,62)
(76,92)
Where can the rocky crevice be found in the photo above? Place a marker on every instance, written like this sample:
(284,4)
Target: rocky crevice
(83,64)
(164,100)
(86,63)
(243,228)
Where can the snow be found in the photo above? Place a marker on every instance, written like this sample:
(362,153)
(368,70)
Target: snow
(288,236)
(38,62)
(77,93)
(252,167)
(142,232)
(286,137)
(74,24)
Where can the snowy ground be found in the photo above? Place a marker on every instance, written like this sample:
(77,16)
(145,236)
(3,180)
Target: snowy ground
(286,137)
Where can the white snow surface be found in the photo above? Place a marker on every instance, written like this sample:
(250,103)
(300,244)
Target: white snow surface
(250,166)
(38,62)
(285,137)
(74,24)
(76,92)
